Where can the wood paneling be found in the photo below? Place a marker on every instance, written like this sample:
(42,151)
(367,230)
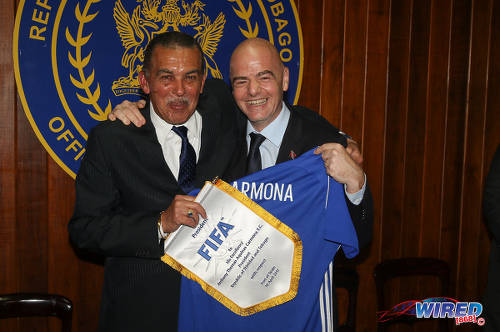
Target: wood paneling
(8,260)
(415,82)
(311,81)
(472,171)
(395,135)
(333,60)
(373,142)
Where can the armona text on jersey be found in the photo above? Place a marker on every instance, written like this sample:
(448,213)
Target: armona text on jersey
(266,191)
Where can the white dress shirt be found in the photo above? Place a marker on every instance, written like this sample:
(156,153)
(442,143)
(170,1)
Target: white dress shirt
(269,149)
(273,133)
(171,143)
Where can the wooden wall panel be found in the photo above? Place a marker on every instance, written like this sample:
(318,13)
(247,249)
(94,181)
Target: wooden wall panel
(8,274)
(63,267)
(32,222)
(415,82)
(436,121)
(312,11)
(354,73)
(493,98)
(415,126)
(396,121)
(454,132)
(373,144)
(415,137)
(333,60)
(472,173)
(429,232)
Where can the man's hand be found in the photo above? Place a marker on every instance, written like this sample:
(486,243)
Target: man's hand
(340,166)
(127,112)
(354,151)
(182,211)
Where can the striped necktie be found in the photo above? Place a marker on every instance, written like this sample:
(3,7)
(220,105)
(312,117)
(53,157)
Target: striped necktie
(187,161)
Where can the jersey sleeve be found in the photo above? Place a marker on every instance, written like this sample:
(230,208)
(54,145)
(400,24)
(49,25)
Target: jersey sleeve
(338,225)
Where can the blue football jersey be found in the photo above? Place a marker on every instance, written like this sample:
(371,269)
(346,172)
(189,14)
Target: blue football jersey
(300,194)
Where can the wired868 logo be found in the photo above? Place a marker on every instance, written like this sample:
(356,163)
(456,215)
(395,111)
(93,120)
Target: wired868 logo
(437,307)
(75,59)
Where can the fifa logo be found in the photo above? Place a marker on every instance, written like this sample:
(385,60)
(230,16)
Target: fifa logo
(150,18)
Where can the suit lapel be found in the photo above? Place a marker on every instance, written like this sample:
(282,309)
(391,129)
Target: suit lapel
(151,152)
(290,144)
(210,132)
(291,139)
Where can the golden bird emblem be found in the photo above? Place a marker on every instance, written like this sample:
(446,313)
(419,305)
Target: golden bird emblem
(152,17)
(208,36)
(135,33)
(170,14)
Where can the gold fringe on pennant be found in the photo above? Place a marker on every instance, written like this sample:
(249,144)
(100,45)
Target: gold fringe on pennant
(274,222)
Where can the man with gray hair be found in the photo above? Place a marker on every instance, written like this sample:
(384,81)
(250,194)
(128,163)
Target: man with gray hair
(132,183)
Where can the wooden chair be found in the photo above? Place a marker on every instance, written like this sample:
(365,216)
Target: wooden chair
(33,304)
(348,279)
(416,267)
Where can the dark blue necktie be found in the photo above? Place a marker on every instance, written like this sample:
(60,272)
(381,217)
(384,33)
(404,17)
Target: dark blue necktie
(187,161)
(254,162)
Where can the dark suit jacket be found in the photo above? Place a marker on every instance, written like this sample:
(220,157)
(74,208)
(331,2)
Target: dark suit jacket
(491,212)
(305,131)
(122,186)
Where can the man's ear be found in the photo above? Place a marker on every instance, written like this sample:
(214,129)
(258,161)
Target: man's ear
(143,82)
(204,78)
(286,77)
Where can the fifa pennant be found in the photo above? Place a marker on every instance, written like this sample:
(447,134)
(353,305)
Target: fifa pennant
(241,255)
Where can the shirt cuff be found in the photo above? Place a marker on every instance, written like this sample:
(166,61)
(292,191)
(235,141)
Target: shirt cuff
(161,233)
(161,237)
(356,197)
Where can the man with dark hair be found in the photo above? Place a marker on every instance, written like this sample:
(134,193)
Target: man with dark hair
(130,189)
(170,40)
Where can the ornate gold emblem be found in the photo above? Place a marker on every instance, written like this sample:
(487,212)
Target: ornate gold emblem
(149,19)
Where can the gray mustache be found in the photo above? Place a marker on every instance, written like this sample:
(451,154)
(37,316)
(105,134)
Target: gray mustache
(180,100)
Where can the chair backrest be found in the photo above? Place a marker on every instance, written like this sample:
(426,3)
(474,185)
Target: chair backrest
(348,279)
(34,304)
(412,266)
